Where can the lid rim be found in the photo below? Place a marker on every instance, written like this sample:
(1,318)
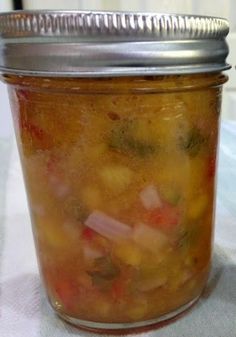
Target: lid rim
(122,72)
(58,23)
(69,11)
(111,42)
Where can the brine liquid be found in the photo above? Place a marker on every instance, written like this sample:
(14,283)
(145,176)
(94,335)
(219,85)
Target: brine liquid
(120,177)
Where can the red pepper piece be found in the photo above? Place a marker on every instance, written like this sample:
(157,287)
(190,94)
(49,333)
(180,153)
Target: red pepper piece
(40,138)
(53,165)
(88,234)
(67,293)
(211,167)
(166,218)
(118,290)
(23,94)
(120,285)
(34,130)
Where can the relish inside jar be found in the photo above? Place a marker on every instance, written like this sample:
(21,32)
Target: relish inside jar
(120,176)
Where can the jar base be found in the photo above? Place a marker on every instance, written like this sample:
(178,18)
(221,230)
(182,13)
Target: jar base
(121,328)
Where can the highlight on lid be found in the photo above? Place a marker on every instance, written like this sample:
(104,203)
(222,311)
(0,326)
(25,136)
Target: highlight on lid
(101,44)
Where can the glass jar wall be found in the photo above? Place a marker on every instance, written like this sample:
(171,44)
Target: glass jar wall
(120,177)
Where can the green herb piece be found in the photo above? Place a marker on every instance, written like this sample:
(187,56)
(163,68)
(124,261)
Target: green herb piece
(183,239)
(189,236)
(171,195)
(193,142)
(122,139)
(140,148)
(73,208)
(104,272)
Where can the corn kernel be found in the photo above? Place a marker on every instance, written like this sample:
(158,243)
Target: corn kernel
(103,307)
(138,309)
(91,197)
(116,177)
(52,234)
(128,253)
(97,151)
(198,206)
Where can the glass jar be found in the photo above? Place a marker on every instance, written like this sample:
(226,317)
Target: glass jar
(119,170)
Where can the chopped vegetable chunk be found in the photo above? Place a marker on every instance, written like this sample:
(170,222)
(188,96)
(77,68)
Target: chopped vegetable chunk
(107,226)
(193,142)
(150,197)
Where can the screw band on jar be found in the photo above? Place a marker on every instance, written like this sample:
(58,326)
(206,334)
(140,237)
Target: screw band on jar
(105,44)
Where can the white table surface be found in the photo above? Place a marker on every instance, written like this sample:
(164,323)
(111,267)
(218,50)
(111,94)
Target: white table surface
(24,311)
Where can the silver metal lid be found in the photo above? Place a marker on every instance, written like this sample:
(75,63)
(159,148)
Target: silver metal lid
(94,44)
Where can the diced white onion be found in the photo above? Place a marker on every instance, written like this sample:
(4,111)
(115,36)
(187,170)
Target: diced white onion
(151,283)
(91,253)
(108,227)
(150,198)
(150,238)
(60,189)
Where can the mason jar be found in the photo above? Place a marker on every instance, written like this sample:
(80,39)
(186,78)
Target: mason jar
(116,117)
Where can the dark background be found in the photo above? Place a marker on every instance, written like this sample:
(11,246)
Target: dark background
(17,4)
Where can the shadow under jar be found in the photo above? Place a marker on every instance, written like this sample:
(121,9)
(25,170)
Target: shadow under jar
(118,144)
